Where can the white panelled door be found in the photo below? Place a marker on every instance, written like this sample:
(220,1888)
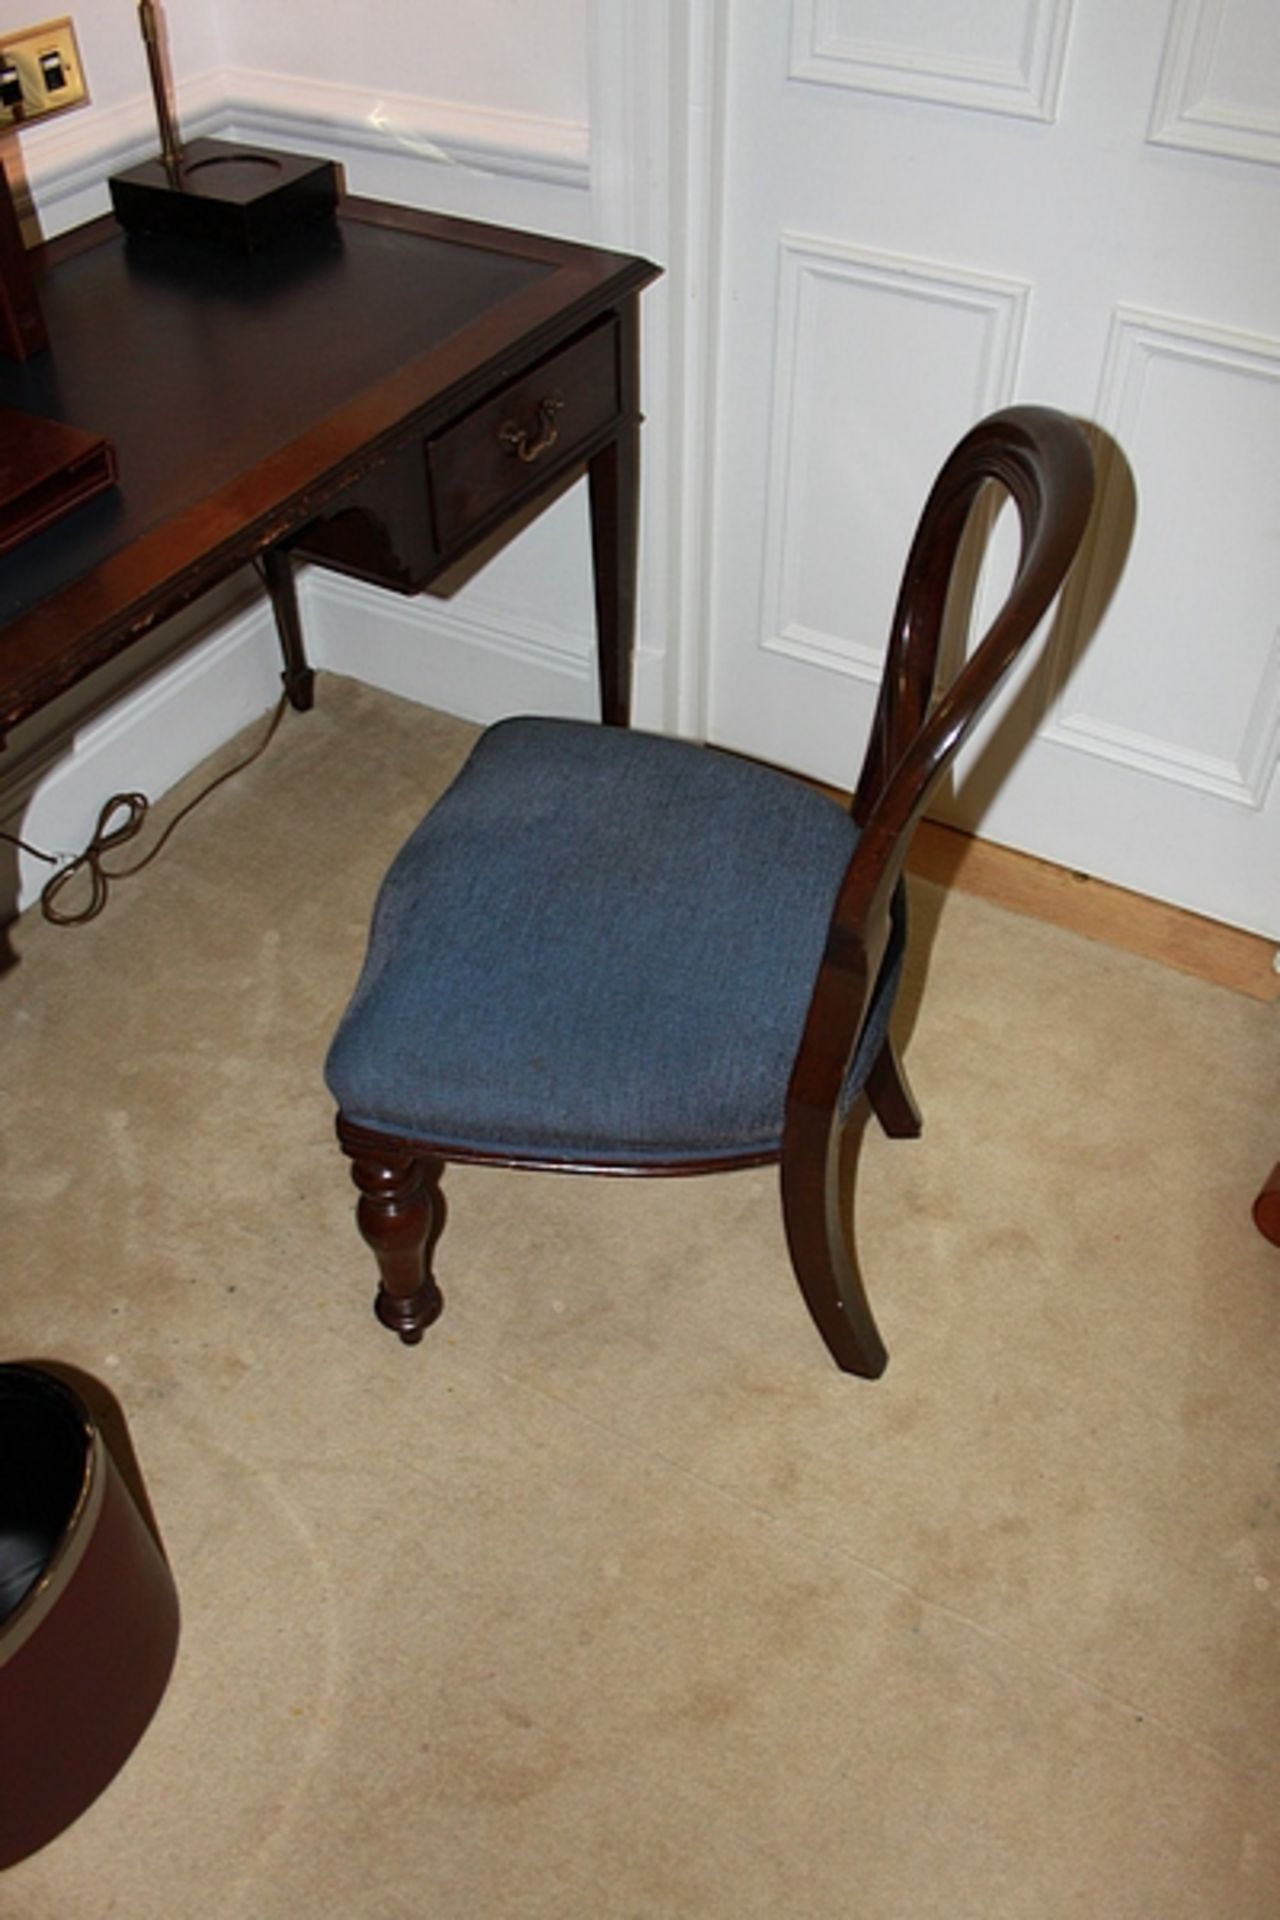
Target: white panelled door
(930,210)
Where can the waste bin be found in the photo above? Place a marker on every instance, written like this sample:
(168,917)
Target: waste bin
(88,1611)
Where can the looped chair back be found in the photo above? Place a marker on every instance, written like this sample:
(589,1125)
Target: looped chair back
(608,951)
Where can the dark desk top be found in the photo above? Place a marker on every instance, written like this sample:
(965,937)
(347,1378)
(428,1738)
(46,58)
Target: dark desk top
(239,390)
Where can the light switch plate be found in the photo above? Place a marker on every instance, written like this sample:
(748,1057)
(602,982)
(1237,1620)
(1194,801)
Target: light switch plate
(40,72)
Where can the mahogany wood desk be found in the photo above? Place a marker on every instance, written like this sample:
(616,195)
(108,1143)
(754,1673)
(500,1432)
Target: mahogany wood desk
(378,396)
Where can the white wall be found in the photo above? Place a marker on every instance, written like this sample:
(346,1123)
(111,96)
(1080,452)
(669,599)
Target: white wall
(521,56)
(499,89)
(66,159)
(113,57)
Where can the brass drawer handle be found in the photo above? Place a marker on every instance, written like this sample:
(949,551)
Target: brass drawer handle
(528,447)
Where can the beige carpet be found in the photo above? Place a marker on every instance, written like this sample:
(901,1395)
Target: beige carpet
(614,1600)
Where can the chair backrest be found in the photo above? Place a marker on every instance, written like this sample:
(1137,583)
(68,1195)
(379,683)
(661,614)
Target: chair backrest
(1042,460)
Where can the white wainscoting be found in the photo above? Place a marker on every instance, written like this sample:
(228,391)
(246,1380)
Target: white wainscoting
(434,150)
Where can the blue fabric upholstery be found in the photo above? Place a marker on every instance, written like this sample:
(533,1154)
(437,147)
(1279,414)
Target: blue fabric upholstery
(599,945)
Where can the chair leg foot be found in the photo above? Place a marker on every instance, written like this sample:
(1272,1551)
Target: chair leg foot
(408,1316)
(400,1215)
(817,1207)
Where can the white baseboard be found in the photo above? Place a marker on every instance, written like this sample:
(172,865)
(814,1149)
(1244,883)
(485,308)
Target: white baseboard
(480,662)
(145,743)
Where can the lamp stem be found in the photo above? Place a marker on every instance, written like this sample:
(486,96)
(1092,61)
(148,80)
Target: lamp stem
(170,144)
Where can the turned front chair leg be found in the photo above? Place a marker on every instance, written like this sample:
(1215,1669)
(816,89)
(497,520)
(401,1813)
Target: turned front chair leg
(400,1215)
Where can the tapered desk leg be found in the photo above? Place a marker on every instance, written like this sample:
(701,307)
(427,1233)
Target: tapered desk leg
(22,331)
(299,679)
(614,480)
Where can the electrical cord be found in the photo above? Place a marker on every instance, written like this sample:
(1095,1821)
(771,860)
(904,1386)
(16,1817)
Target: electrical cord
(107,837)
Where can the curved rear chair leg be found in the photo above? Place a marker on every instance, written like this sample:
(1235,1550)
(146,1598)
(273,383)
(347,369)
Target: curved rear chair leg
(818,1180)
(889,1092)
(400,1215)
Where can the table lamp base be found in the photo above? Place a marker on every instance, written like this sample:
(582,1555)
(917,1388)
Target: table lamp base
(242,198)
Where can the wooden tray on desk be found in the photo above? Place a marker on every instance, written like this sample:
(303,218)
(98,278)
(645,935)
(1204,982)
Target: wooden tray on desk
(46,469)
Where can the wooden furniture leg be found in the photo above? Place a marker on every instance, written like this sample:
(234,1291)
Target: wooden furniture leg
(613,478)
(22,329)
(817,1211)
(400,1215)
(299,678)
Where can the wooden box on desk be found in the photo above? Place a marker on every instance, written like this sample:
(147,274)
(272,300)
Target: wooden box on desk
(242,198)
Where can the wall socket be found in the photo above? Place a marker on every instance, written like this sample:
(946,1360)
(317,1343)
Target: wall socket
(40,72)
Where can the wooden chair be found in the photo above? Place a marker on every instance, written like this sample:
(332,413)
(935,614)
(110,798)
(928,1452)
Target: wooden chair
(606,951)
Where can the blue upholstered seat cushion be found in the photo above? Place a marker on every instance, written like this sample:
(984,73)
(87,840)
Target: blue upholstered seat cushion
(599,945)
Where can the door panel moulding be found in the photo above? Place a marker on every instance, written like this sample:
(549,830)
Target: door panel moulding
(1016,70)
(982,316)
(1203,372)
(1208,50)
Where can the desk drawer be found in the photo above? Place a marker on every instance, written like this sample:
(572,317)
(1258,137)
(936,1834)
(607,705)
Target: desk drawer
(508,445)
